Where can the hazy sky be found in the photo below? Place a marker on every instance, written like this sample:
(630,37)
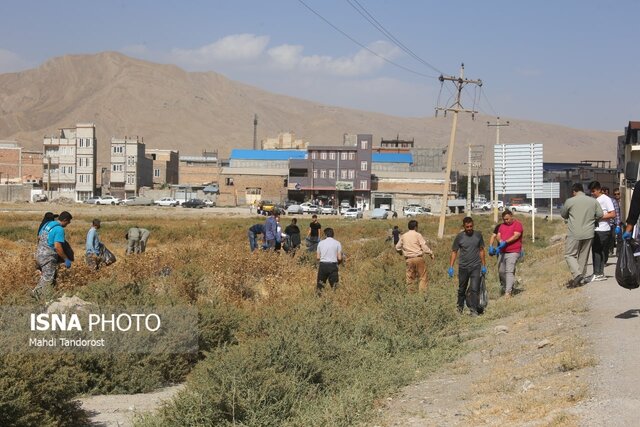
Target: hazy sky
(559,61)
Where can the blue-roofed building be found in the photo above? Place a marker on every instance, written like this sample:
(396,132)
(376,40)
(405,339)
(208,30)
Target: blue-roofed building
(391,162)
(269,159)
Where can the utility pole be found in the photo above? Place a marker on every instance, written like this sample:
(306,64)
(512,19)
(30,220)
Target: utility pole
(456,107)
(49,178)
(494,202)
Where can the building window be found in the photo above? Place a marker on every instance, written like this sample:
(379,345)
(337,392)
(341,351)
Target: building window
(315,174)
(352,156)
(344,155)
(363,144)
(254,191)
(131,161)
(118,149)
(332,155)
(323,173)
(363,166)
(352,174)
(131,179)
(363,185)
(332,173)
(323,155)
(228,181)
(343,174)
(314,155)
(156,173)
(117,167)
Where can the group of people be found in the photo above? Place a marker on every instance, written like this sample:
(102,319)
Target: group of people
(52,249)
(594,226)
(275,238)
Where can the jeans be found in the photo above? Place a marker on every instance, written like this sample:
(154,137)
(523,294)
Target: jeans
(253,241)
(469,278)
(600,251)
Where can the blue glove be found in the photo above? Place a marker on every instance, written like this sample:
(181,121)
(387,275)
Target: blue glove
(618,229)
(626,235)
(501,246)
(450,271)
(521,254)
(483,270)
(67,263)
(492,250)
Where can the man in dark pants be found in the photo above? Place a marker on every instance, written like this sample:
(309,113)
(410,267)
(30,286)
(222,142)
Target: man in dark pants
(329,254)
(254,231)
(471,265)
(601,238)
(313,235)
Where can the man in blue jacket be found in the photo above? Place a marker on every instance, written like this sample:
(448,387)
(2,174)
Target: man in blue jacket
(271,230)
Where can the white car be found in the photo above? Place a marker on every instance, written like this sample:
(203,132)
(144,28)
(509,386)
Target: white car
(413,212)
(295,209)
(527,208)
(107,200)
(309,208)
(488,205)
(352,213)
(327,210)
(167,201)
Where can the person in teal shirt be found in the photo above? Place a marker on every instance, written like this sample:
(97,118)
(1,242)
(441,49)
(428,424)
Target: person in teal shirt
(92,254)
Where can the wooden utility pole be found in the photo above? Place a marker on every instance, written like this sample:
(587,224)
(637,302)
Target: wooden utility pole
(456,107)
(494,202)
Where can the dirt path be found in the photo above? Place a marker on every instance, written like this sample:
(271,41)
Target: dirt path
(562,358)
(117,410)
(614,330)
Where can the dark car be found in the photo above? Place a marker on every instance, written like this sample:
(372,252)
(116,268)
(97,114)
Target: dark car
(194,203)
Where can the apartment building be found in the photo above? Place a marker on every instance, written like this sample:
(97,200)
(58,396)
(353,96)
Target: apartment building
(130,168)
(69,162)
(199,170)
(165,166)
(18,165)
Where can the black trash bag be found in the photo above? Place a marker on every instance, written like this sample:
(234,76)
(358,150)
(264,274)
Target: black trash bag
(483,295)
(627,266)
(106,256)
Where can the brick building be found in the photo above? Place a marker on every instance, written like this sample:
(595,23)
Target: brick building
(165,166)
(130,168)
(199,170)
(18,165)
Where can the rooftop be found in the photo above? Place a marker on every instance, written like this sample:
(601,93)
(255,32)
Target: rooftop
(237,154)
(392,158)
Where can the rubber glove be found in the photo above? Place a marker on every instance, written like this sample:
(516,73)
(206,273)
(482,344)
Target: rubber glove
(67,263)
(450,271)
(483,270)
(492,250)
(502,245)
(521,254)
(626,235)
(618,229)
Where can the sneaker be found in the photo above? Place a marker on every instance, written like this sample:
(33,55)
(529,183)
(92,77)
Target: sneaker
(599,278)
(473,313)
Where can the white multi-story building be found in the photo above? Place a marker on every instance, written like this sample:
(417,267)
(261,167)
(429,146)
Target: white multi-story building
(69,162)
(130,169)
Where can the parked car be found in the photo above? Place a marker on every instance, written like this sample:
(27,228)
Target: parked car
(327,210)
(167,201)
(107,200)
(488,205)
(413,212)
(309,208)
(209,203)
(352,213)
(137,201)
(525,207)
(91,200)
(266,206)
(379,213)
(194,203)
(295,209)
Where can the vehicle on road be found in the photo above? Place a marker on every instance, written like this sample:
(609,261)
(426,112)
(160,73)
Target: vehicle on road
(352,213)
(91,200)
(295,209)
(413,212)
(379,213)
(488,205)
(327,210)
(524,207)
(107,200)
(265,206)
(166,201)
(210,203)
(194,203)
(309,208)
(137,201)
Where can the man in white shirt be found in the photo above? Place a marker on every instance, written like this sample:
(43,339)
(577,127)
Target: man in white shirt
(329,254)
(602,236)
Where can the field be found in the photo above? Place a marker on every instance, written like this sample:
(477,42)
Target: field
(270,351)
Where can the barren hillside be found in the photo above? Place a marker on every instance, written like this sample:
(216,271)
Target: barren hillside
(192,112)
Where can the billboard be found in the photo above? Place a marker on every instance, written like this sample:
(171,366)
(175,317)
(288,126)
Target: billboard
(518,168)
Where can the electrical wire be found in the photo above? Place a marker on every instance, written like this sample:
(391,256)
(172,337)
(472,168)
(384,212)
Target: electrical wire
(376,24)
(362,45)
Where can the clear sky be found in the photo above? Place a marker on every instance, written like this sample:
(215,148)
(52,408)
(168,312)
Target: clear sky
(570,62)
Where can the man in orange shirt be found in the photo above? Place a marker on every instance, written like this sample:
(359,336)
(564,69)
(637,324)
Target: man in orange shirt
(414,247)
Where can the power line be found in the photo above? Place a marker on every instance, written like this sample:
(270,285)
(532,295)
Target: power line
(362,45)
(373,21)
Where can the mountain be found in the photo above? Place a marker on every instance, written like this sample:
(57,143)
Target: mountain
(193,112)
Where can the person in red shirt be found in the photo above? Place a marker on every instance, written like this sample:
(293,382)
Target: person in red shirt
(509,248)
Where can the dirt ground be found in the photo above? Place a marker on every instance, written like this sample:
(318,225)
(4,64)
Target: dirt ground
(575,364)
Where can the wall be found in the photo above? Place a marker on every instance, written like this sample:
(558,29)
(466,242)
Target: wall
(272,188)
